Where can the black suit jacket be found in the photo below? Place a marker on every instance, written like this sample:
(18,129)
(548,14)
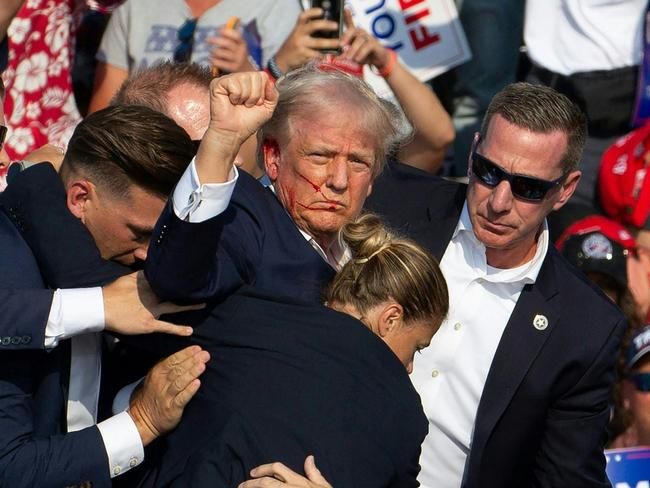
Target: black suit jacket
(33,385)
(286,379)
(542,415)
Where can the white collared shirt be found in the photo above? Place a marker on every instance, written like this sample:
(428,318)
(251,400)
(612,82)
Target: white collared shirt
(197,202)
(450,374)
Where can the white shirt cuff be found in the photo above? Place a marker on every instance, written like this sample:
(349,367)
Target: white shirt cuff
(74,311)
(122,442)
(195,202)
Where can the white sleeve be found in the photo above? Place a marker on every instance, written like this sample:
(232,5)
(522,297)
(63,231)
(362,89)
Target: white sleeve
(74,311)
(122,442)
(195,202)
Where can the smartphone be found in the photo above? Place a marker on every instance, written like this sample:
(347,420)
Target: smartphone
(333,10)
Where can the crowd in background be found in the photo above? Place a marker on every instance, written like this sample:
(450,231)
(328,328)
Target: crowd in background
(64,60)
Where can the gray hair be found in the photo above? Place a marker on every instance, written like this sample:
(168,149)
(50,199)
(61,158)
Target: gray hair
(311,90)
(541,109)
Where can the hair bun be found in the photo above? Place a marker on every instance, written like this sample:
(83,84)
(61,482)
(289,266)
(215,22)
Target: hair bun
(366,236)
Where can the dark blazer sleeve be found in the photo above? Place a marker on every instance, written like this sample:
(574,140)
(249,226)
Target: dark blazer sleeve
(35,201)
(196,262)
(24,314)
(28,459)
(571,450)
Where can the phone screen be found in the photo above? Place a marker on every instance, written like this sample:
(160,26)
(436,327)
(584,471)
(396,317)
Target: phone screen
(333,11)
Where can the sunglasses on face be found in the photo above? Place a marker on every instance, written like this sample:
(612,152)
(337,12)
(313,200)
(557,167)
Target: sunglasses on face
(185,34)
(641,381)
(523,187)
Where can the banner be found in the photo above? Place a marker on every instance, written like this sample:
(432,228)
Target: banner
(425,34)
(628,468)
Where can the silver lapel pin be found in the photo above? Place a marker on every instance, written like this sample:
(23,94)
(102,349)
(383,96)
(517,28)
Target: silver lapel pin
(540,322)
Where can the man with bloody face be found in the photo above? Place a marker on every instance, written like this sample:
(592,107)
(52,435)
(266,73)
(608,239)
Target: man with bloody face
(323,142)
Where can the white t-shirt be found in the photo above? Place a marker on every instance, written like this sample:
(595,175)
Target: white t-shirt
(569,36)
(142,32)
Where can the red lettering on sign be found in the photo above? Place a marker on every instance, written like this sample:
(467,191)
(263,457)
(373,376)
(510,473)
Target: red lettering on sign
(424,39)
(415,17)
(405,4)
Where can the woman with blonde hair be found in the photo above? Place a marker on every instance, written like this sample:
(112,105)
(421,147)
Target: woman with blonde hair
(290,379)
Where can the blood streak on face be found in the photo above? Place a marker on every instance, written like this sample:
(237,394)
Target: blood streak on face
(317,189)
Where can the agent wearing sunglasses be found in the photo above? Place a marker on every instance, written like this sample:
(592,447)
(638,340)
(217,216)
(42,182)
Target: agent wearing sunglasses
(516,383)
(635,392)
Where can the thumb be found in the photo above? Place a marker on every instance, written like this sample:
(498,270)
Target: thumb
(347,19)
(313,473)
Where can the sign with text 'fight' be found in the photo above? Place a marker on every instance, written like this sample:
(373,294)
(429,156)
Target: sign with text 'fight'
(425,34)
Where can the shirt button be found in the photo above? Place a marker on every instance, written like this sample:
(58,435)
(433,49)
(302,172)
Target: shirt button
(457,326)
(117,470)
(435,373)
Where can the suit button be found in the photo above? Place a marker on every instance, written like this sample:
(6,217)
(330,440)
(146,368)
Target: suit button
(6,341)
(15,340)
(26,339)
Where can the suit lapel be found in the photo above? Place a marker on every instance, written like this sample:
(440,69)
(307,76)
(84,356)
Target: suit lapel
(519,346)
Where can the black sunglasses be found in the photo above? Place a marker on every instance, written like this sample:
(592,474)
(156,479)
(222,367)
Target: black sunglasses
(3,134)
(524,187)
(641,381)
(185,34)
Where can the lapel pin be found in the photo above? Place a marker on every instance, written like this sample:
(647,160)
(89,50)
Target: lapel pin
(540,322)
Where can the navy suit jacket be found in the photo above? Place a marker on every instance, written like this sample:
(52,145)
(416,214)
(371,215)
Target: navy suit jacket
(33,384)
(288,378)
(542,415)
(254,242)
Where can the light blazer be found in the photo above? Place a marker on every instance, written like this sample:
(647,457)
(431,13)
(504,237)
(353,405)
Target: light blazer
(542,415)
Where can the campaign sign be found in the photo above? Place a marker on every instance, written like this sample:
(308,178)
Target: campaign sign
(628,468)
(425,34)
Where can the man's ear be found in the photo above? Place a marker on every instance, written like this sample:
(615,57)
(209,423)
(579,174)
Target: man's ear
(567,188)
(80,194)
(271,152)
(390,318)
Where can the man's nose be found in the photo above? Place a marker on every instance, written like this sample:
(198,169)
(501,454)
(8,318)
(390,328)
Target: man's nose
(338,176)
(141,253)
(500,200)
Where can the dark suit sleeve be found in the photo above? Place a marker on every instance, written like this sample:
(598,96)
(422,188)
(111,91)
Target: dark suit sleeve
(571,450)
(23,316)
(196,262)
(31,460)
(35,202)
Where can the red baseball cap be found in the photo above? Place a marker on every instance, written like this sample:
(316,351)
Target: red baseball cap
(623,184)
(598,244)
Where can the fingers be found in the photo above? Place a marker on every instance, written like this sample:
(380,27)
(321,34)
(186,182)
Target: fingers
(180,356)
(261,483)
(313,472)
(233,35)
(348,21)
(275,470)
(181,376)
(163,327)
(247,89)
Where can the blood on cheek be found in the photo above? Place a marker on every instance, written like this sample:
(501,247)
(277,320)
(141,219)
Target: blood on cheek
(317,188)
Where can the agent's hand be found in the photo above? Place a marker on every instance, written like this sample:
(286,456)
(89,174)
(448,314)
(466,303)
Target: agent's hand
(230,52)
(301,47)
(50,153)
(156,408)
(359,46)
(131,308)
(277,474)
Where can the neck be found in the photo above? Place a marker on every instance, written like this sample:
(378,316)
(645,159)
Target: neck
(198,7)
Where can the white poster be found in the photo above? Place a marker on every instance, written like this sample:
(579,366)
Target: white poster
(425,34)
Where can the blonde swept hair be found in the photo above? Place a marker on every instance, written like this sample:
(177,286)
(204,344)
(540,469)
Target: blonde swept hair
(383,267)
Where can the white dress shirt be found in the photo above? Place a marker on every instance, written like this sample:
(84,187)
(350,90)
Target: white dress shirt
(78,314)
(450,374)
(197,202)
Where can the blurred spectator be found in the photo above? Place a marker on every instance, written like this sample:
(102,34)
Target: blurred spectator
(624,190)
(39,103)
(140,32)
(604,250)
(577,48)
(636,392)
(433,130)
(182,92)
